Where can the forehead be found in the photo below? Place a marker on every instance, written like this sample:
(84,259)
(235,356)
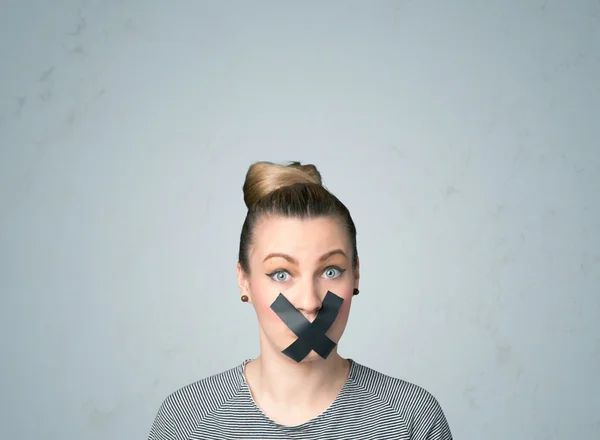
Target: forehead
(299,237)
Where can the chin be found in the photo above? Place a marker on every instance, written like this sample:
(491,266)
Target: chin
(313,357)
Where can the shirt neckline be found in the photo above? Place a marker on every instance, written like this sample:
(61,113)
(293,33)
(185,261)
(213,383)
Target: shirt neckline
(309,423)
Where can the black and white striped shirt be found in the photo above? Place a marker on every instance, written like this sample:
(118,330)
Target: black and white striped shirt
(370,405)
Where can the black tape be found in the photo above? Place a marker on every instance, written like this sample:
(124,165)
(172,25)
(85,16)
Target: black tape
(311,335)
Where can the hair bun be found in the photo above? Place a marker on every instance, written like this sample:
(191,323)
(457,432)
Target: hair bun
(263,178)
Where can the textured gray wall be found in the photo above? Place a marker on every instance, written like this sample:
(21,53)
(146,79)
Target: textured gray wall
(464,136)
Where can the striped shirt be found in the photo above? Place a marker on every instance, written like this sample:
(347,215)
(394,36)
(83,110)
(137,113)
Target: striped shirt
(370,405)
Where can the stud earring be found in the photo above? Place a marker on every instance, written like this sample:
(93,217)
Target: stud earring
(355,292)
(244,298)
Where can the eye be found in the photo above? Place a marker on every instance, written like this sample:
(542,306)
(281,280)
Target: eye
(333,272)
(281,276)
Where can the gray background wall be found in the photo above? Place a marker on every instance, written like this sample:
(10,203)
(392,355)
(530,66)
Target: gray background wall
(464,136)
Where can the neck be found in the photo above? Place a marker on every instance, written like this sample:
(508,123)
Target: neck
(275,377)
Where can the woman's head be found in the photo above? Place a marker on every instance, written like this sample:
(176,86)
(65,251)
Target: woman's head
(298,239)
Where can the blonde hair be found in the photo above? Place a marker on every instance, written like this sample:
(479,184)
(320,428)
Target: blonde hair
(288,190)
(263,178)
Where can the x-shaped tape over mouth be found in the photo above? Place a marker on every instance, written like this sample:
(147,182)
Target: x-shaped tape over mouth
(311,335)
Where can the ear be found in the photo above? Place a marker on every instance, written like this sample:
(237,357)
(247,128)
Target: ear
(243,282)
(357,274)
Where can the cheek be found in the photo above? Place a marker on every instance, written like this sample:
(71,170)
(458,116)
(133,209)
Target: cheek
(266,316)
(339,325)
(347,297)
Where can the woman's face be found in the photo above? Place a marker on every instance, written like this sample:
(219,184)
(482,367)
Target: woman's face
(302,259)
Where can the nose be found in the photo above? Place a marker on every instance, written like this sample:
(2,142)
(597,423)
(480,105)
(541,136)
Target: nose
(309,300)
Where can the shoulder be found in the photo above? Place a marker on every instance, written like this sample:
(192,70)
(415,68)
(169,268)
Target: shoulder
(205,394)
(419,408)
(403,396)
(181,410)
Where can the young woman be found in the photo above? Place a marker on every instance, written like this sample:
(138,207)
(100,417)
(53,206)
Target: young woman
(298,267)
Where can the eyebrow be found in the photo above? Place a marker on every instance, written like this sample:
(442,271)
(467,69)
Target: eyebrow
(292,260)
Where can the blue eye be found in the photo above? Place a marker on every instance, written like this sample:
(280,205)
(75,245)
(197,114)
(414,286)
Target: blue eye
(280,276)
(333,272)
